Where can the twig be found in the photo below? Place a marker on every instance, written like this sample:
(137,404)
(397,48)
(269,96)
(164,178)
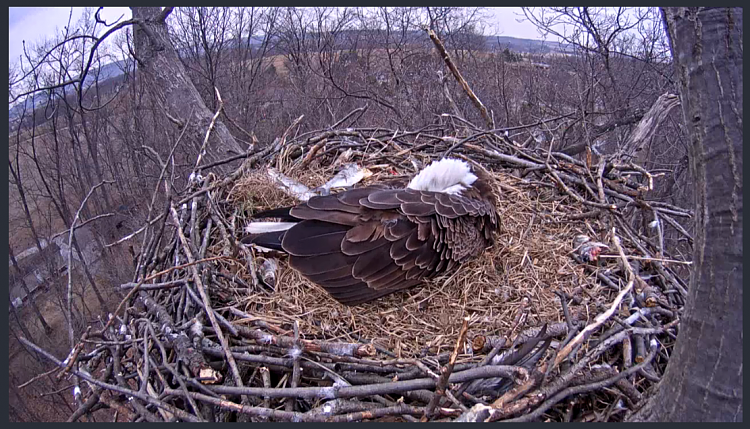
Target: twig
(575,196)
(519,320)
(341,349)
(626,265)
(295,352)
(206,300)
(508,397)
(140,268)
(643,258)
(566,313)
(185,265)
(268,412)
(180,343)
(82,224)
(586,332)
(372,389)
(146,398)
(575,390)
(311,154)
(88,406)
(138,285)
(211,126)
(155,286)
(677,227)
(71,334)
(228,160)
(445,372)
(44,374)
(360,110)
(459,78)
(265,376)
(171,369)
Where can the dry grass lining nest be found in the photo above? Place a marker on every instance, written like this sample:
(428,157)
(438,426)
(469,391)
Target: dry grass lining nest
(531,259)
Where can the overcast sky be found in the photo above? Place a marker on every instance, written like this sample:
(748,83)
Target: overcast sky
(34,24)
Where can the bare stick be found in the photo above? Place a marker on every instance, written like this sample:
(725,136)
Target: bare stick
(206,300)
(677,226)
(265,375)
(508,397)
(643,258)
(44,374)
(71,334)
(174,372)
(267,412)
(87,221)
(153,200)
(586,332)
(626,265)
(146,398)
(459,78)
(211,126)
(138,285)
(360,110)
(296,351)
(445,372)
(331,392)
(339,349)
(186,265)
(585,388)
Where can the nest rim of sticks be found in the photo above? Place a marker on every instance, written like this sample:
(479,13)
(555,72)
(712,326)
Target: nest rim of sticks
(543,315)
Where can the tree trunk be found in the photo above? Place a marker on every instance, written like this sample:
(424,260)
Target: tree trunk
(703,381)
(167,80)
(649,124)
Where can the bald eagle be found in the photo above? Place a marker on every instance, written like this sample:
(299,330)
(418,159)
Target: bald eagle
(364,243)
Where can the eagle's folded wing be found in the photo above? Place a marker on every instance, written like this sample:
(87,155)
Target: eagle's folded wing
(368,242)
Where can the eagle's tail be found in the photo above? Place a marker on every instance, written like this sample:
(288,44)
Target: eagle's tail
(266,241)
(279,213)
(269,235)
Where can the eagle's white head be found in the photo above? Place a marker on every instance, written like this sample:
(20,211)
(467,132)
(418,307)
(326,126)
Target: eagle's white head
(448,175)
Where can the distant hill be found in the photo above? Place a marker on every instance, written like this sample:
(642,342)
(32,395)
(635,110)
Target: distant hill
(368,38)
(529,46)
(104,75)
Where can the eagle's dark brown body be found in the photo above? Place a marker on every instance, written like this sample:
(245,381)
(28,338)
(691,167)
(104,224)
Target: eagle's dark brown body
(368,242)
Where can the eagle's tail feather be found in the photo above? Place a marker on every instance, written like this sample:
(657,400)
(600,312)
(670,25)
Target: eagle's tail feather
(267,240)
(280,213)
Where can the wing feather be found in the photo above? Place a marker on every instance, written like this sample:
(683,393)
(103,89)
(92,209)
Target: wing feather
(352,196)
(362,232)
(398,249)
(304,211)
(330,203)
(314,237)
(409,196)
(334,274)
(418,209)
(365,243)
(401,228)
(413,242)
(388,197)
(360,248)
(319,264)
(370,263)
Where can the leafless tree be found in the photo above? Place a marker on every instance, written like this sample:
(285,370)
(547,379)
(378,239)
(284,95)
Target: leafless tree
(619,67)
(169,84)
(703,381)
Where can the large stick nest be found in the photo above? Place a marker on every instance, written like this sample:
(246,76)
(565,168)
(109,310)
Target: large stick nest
(540,327)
